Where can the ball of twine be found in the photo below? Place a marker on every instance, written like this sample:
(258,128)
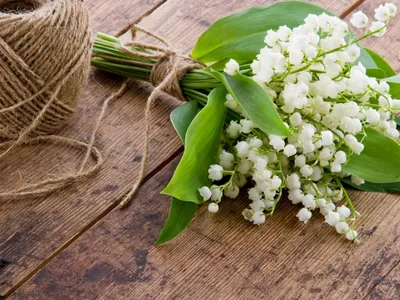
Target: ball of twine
(44,63)
(45,51)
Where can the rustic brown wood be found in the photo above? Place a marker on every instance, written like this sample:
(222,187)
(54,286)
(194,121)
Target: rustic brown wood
(221,256)
(386,286)
(111,16)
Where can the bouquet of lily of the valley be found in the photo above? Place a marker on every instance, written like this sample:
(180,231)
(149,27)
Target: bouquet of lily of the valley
(283,98)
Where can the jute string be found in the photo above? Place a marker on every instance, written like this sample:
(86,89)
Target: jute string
(44,62)
(165,76)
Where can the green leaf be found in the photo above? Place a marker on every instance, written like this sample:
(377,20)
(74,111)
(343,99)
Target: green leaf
(241,36)
(369,63)
(394,83)
(397,120)
(180,215)
(384,67)
(380,160)
(254,101)
(201,147)
(375,187)
(242,50)
(182,116)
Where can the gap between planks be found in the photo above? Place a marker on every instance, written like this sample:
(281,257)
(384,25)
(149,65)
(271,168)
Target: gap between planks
(147,13)
(148,176)
(351,8)
(380,281)
(90,225)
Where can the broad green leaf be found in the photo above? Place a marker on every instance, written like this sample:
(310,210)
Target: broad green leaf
(254,101)
(375,187)
(380,160)
(394,83)
(381,63)
(201,147)
(180,215)
(369,63)
(397,121)
(241,36)
(182,116)
(242,50)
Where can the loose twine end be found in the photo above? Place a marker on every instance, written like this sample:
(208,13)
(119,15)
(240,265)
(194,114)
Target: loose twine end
(165,77)
(51,185)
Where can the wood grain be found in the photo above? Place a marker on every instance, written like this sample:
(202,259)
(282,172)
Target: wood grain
(223,256)
(386,286)
(111,16)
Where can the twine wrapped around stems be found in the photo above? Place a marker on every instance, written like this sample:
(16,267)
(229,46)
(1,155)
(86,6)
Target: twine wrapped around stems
(165,76)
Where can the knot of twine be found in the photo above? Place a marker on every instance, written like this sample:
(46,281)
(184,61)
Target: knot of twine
(165,76)
(44,61)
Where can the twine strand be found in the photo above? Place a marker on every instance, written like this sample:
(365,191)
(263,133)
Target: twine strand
(165,77)
(51,185)
(114,96)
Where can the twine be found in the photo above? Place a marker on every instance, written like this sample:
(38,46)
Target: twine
(165,76)
(44,61)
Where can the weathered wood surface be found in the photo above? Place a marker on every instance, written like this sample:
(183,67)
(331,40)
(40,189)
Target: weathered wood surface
(111,16)
(220,256)
(387,287)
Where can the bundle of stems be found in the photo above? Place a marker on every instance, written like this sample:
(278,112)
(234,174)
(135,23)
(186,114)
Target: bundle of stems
(108,56)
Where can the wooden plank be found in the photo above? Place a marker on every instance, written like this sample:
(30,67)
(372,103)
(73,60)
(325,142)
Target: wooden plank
(111,16)
(386,286)
(31,231)
(222,256)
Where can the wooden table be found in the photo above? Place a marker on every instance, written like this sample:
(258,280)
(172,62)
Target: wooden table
(77,244)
